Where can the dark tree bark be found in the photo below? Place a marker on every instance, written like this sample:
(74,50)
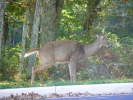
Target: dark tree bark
(2,11)
(50,19)
(5,35)
(59,5)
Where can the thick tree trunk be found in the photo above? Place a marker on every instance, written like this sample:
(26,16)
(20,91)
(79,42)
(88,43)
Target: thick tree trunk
(34,35)
(50,19)
(91,14)
(2,11)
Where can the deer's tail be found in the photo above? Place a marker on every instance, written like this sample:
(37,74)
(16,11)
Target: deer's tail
(32,51)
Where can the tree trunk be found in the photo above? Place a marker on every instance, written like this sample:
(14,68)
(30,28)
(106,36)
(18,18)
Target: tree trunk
(5,35)
(59,5)
(91,14)
(34,35)
(21,64)
(50,18)
(2,11)
(25,31)
(48,21)
(30,11)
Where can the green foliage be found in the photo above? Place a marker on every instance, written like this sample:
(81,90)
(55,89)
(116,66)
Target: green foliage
(10,62)
(123,50)
(15,11)
(72,21)
(115,17)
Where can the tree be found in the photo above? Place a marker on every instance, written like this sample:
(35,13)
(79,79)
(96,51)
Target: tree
(29,20)
(5,34)
(2,11)
(34,34)
(50,19)
(26,30)
(91,14)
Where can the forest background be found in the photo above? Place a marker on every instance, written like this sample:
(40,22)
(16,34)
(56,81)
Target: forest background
(28,24)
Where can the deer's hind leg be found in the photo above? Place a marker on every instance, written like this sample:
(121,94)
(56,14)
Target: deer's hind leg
(39,69)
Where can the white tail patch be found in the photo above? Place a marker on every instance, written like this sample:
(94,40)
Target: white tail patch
(30,53)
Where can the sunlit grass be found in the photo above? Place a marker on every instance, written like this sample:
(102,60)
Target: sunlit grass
(23,84)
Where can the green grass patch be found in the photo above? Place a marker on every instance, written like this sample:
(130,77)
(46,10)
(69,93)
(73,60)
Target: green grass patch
(8,84)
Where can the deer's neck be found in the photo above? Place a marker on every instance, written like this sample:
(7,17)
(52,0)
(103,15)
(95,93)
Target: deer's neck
(92,48)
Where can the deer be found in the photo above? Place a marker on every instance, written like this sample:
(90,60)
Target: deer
(65,51)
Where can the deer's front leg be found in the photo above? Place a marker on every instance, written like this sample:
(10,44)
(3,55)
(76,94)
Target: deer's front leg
(40,74)
(33,75)
(72,70)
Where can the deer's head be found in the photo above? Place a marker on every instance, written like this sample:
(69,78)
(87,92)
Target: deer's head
(103,40)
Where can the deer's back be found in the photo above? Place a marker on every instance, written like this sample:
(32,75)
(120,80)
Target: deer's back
(60,51)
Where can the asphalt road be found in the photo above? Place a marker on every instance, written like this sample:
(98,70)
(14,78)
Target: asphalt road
(109,97)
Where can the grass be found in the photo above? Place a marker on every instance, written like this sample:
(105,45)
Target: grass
(7,84)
